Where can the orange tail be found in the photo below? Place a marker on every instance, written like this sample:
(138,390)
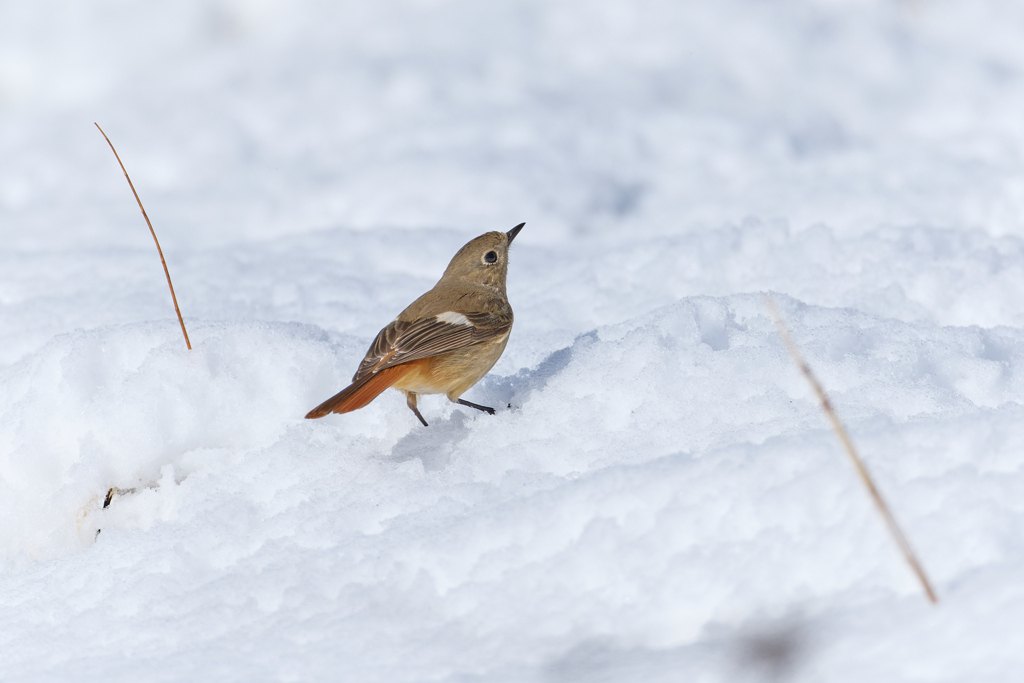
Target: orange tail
(359,394)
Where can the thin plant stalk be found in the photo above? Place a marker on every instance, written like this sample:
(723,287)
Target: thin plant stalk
(152,232)
(844,438)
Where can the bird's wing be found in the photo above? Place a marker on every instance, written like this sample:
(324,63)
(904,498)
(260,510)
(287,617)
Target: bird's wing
(403,341)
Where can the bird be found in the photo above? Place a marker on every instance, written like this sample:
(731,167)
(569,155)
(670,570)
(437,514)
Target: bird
(446,340)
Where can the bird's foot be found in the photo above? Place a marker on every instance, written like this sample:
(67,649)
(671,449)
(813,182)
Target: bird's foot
(489,411)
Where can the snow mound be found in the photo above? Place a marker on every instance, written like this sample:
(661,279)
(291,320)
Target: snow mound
(627,491)
(130,408)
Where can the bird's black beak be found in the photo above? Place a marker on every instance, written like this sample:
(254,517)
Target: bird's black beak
(511,234)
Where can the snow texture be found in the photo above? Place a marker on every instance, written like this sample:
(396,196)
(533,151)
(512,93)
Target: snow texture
(659,497)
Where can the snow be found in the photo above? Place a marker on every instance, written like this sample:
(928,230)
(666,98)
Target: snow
(658,496)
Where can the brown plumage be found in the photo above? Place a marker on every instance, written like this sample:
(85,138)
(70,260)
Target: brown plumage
(446,340)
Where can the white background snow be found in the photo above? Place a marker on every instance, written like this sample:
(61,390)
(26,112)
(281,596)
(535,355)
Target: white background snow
(663,501)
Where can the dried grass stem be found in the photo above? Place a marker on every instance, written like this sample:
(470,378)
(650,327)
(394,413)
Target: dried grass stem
(844,438)
(153,233)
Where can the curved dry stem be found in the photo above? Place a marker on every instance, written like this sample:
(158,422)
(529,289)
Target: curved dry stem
(153,233)
(844,438)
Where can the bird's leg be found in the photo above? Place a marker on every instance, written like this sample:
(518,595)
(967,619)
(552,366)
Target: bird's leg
(489,411)
(410,400)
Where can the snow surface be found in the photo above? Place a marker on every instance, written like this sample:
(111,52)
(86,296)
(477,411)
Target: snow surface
(662,499)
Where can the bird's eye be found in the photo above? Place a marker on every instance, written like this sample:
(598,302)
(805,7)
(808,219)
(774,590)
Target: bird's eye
(491,257)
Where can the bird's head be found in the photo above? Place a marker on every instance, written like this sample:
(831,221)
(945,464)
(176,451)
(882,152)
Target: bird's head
(484,260)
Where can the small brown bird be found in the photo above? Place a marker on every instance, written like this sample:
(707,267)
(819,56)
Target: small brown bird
(446,340)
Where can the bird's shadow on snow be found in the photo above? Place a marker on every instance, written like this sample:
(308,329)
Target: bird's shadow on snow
(432,445)
(512,391)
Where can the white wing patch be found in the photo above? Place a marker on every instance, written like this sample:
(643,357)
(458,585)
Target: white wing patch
(453,318)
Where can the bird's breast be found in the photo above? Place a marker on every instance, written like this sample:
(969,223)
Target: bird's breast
(454,372)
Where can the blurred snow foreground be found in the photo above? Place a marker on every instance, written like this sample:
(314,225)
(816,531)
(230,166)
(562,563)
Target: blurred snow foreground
(658,497)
